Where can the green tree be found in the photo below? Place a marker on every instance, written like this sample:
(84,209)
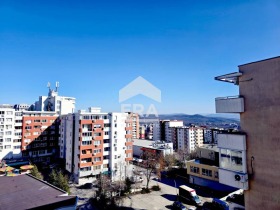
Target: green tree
(36,173)
(58,179)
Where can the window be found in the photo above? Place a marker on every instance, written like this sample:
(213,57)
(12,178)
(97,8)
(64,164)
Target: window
(194,169)
(41,152)
(87,134)
(8,147)
(97,151)
(85,169)
(97,159)
(8,133)
(96,167)
(206,172)
(231,160)
(8,139)
(37,120)
(97,134)
(128,155)
(44,120)
(97,142)
(27,127)
(216,175)
(86,142)
(86,160)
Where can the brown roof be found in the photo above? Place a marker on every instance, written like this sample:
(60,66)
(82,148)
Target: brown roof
(27,192)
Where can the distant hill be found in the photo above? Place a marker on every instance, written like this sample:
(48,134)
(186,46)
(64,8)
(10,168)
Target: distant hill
(200,120)
(228,116)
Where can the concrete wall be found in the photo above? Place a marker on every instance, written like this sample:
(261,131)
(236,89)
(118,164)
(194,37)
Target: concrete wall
(260,87)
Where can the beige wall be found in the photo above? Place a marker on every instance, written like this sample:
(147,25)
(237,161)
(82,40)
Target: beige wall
(214,170)
(261,121)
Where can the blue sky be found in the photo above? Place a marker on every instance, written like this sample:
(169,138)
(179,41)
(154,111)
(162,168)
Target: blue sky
(95,48)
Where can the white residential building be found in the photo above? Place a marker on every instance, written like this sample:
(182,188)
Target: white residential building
(189,138)
(10,131)
(53,102)
(94,142)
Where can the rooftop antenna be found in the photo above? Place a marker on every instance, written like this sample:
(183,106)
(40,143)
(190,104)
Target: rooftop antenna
(49,85)
(56,86)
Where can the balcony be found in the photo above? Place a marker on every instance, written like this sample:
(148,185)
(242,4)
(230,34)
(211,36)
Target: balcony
(230,104)
(85,173)
(232,141)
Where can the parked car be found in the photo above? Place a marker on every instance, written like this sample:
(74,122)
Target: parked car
(177,205)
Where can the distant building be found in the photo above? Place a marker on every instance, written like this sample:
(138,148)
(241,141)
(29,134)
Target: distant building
(135,124)
(189,138)
(27,192)
(156,147)
(54,103)
(210,135)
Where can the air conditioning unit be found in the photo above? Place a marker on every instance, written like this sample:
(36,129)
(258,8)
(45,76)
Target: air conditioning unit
(241,178)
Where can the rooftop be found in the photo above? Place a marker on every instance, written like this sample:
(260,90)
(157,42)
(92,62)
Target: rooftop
(152,144)
(277,57)
(26,192)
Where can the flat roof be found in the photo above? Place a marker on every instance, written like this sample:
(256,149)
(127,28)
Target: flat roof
(148,143)
(27,192)
(277,57)
(213,147)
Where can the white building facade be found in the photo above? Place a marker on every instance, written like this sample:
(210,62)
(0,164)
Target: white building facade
(95,143)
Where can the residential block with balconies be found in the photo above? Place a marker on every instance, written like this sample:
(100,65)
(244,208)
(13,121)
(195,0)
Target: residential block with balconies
(97,143)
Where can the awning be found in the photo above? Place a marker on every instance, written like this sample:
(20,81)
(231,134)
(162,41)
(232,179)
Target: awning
(26,167)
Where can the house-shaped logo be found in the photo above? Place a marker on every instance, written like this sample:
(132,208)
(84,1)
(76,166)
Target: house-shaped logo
(139,86)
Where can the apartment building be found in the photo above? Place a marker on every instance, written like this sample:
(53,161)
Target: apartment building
(96,143)
(170,131)
(54,103)
(9,147)
(189,138)
(210,135)
(31,132)
(135,124)
(40,134)
(156,131)
(11,130)
(250,160)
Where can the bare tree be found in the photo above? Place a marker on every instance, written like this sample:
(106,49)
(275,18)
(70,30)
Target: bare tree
(153,163)
(182,156)
(169,160)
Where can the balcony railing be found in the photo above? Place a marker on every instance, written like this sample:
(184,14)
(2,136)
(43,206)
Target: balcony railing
(230,104)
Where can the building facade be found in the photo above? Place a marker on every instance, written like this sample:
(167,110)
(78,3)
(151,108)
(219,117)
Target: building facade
(97,143)
(250,160)
(40,134)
